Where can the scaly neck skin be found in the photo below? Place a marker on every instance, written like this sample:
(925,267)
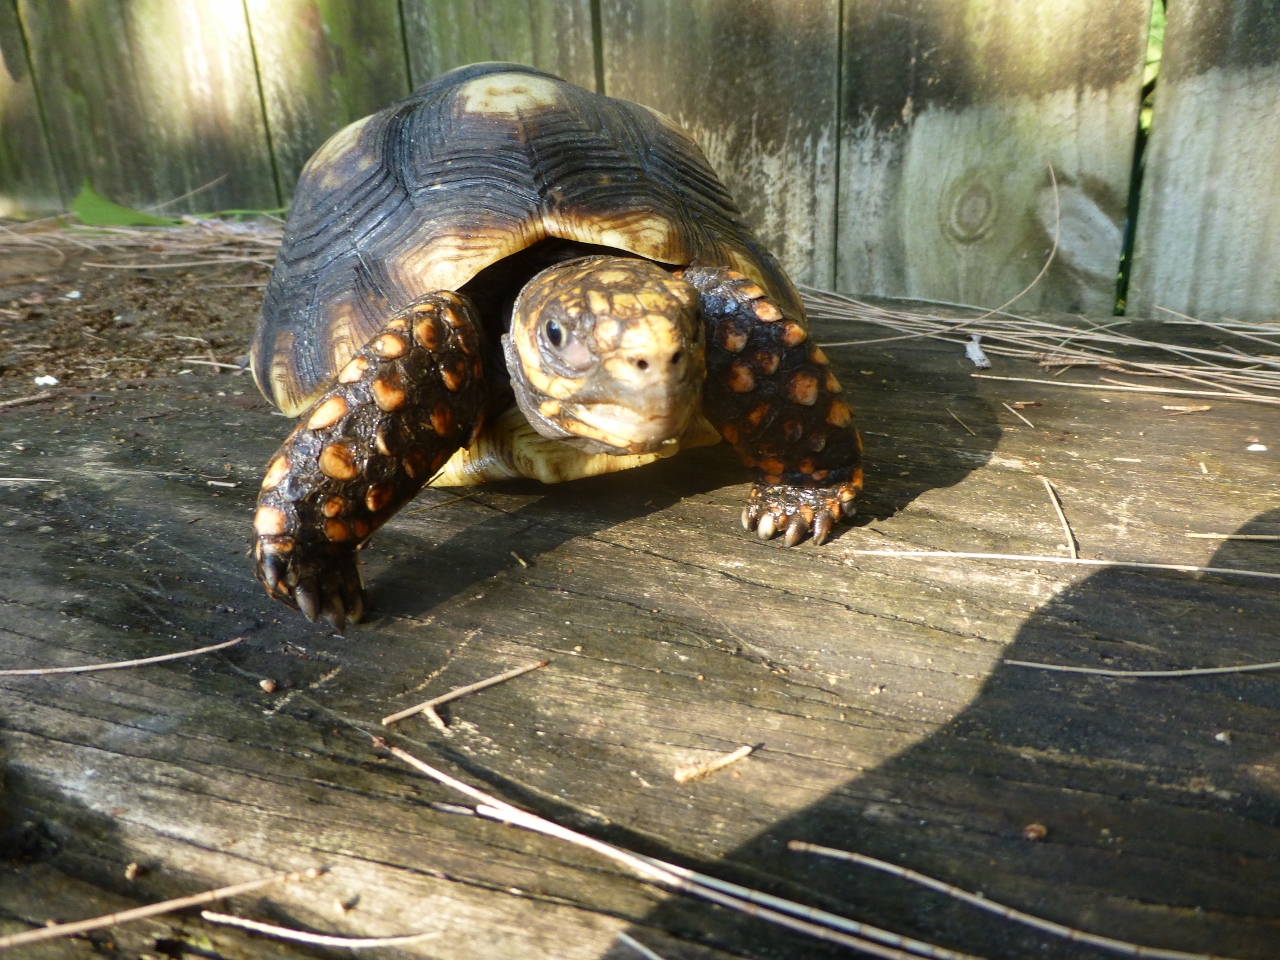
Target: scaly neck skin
(607,353)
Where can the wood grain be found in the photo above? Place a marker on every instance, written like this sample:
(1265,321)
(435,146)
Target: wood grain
(1208,237)
(323,64)
(27,184)
(756,84)
(143,123)
(554,35)
(950,116)
(872,686)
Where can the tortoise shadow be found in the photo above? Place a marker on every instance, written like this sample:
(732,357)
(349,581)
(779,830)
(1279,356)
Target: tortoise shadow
(1159,799)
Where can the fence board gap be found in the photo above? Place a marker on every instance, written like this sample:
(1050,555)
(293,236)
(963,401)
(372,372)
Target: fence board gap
(1208,237)
(951,115)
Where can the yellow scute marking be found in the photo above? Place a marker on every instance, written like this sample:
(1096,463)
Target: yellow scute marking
(508,94)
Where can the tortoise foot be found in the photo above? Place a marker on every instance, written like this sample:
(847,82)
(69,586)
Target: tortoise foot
(797,512)
(389,421)
(320,579)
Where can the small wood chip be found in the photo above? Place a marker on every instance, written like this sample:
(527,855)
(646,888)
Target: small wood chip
(698,770)
(1177,409)
(1035,831)
(268,685)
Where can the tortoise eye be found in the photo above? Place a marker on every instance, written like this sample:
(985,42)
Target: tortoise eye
(554,334)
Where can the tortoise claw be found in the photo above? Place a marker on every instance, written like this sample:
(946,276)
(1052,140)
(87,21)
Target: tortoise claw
(767,528)
(273,571)
(822,524)
(308,599)
(796,530)
(336,612)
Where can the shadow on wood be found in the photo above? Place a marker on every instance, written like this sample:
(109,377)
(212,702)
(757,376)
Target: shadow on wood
(1161,797)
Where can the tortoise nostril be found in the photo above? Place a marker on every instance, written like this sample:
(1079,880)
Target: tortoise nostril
(676,357)
(642,364)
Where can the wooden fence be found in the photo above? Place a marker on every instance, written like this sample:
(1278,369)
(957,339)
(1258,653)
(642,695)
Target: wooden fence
(894,147)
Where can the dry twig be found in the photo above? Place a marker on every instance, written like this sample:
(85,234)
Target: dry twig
(785,913)
(961,422)
(1009,913)
(151,910)
(638,947)
(428,706)
(1062,517)
(1106,672)
(120,664)
(1252,398)
(1234,536)
(34,398)
(1018,415)
(316,939)
(1081,561)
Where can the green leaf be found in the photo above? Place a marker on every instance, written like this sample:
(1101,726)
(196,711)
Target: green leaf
(95,210)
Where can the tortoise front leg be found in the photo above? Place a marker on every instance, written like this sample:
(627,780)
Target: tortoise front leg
(772,395)
(396,412)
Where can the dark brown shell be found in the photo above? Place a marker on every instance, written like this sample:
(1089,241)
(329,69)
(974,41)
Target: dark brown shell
(479,164)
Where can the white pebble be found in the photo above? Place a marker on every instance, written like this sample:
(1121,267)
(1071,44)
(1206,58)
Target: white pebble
(46,381)
(1257,448)
(73,295)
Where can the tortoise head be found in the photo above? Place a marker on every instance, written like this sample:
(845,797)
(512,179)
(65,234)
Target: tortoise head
(607,353)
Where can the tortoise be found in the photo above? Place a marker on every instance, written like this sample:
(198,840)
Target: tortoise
(507,275)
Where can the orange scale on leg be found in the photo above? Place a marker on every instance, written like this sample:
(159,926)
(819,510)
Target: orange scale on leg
(415,464)
(379,495)
(758,414)
(740,379)
(839,414)
(766,311)
(337,531)
(802,388)
(772,465)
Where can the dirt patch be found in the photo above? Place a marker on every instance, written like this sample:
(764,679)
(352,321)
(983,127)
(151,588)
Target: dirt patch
(107,329)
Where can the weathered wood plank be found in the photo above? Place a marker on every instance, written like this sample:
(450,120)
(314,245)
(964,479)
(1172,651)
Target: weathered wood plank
(1208,237)
(142,122)
(554,35)
(27,183)
(322,65)
(950,116)
(875,685)
(756,84)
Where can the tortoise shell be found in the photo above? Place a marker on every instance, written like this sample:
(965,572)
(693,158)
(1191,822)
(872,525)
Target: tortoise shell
(479,164)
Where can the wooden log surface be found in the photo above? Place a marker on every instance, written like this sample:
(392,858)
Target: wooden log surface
(1208,238)
(143,124)
(27,184)
(322,65)
(553,35)
(874,687)
(756,84)
(951,114)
